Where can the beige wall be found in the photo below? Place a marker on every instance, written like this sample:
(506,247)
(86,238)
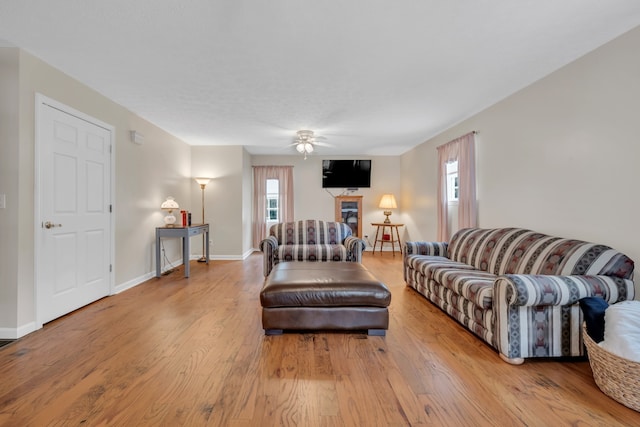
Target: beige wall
(247,204)
(561,156)
(223,196)
(145,175)
(9,185)
(311,201)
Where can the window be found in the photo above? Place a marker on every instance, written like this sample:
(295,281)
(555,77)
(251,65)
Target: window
(457,185)
(272,200)
(452,181)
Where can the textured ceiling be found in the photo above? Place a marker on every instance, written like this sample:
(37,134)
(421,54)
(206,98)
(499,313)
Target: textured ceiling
(375,77)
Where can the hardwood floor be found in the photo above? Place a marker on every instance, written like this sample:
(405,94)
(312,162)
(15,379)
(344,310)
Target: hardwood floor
(175,351)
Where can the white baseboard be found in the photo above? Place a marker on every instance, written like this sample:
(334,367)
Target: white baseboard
(134,282)
(384,249)
(15,333)
(231,257)
(170,266)
(248,254)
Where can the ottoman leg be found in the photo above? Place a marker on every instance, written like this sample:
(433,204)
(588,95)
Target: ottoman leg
(376,332)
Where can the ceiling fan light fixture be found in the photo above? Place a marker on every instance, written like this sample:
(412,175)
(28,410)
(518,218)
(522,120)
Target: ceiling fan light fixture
(304,142)
(305,135)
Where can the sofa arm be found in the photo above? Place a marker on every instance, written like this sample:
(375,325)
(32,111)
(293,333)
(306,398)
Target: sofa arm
(269,246)
(354,246)
(426,248)
(540,290)
(538,315)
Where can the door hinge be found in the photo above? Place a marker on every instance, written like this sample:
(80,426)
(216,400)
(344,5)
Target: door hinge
(110,208)
(110,268)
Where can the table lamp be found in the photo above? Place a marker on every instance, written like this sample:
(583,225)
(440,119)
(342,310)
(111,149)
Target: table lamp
(387,202)
(169,205)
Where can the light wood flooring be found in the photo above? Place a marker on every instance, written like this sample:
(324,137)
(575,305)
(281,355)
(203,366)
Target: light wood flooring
(175,351)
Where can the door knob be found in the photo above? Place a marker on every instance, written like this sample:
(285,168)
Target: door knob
(49,224)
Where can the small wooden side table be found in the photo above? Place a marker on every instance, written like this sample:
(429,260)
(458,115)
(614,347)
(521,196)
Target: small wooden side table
(390,239)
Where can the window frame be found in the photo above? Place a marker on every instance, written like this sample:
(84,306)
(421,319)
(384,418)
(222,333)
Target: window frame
(453,182)
(272,196)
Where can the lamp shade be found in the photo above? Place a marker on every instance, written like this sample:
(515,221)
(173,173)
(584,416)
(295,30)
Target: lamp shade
(388,201)
(202,181)
(169,204)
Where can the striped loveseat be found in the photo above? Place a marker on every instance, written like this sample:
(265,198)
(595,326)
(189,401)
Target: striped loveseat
(518,289)
(310,240)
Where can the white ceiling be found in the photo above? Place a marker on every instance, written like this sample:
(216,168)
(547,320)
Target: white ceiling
(375,77)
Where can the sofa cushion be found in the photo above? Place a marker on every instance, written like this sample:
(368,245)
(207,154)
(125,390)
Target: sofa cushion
(520,251)
(473,285)
(427,264)
(475,318)
(310,232)
(312,253)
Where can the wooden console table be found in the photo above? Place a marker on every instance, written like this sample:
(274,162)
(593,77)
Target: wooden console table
(392,239)
(185,233)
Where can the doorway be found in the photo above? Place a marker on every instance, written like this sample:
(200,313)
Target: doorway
(74,224)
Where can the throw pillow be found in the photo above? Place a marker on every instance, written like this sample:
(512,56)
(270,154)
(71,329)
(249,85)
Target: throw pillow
(593,309)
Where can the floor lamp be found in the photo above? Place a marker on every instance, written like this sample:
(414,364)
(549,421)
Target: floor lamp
(203,183)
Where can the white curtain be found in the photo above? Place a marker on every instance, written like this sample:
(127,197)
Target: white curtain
(284,175)
(462,150)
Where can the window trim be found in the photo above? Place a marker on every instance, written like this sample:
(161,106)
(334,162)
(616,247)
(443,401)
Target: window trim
(272,197)
(453,182)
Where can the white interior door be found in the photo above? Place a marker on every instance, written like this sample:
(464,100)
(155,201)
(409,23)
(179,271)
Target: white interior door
(73,252)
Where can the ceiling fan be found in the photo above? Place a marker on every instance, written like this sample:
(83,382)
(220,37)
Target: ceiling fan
(305,142)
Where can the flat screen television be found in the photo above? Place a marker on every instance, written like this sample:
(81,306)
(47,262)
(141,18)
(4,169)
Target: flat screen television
(346,173)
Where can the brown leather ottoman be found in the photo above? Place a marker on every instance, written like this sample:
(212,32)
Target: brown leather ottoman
(324,296)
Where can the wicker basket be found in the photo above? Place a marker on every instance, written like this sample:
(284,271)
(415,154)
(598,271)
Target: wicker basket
(617,377)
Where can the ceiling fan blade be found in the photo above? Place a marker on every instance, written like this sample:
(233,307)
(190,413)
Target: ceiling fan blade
(323,144)
(307,137)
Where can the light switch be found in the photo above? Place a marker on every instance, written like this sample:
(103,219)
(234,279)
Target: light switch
(3,201)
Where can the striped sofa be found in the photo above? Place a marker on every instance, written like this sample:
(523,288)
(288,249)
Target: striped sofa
(310,240)
(518,289)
